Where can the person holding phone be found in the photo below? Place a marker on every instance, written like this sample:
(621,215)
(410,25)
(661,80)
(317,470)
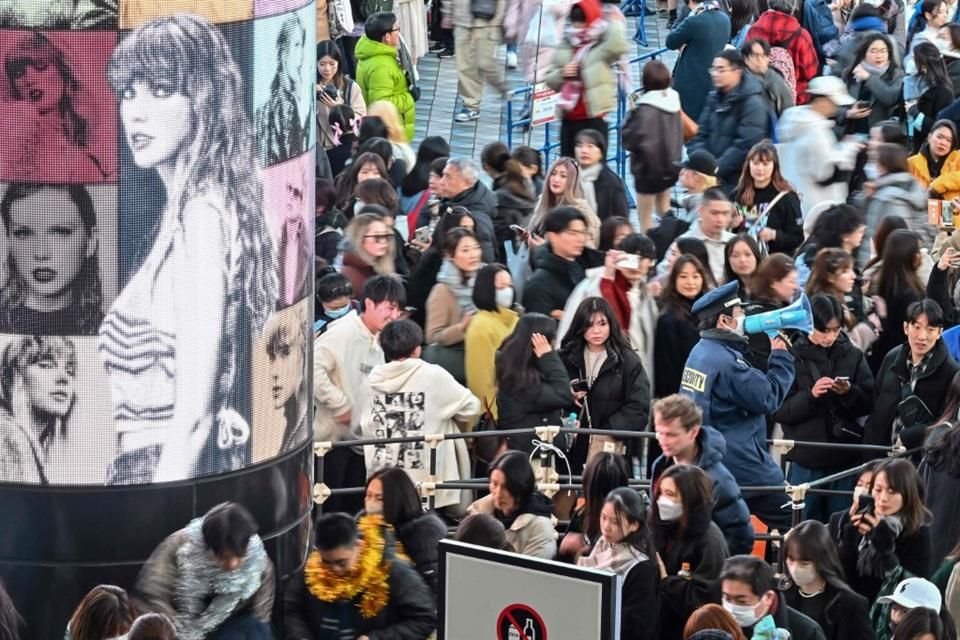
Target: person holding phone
(876,81)
(887,535)
(334,88)
(832,390)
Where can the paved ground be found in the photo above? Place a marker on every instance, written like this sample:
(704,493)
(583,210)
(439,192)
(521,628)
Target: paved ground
(439,104)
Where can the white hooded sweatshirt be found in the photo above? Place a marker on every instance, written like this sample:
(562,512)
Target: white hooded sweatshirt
(810,154)
(411,397)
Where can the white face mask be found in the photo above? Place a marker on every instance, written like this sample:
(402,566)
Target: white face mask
(670,510)
(504,297)
(372,507)
(738,325)
(803,576)
(744,614)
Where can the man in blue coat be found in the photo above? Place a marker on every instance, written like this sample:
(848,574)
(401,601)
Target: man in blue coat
(686,440)
(735,398)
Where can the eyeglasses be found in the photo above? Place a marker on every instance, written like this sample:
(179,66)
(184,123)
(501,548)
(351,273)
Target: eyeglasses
(379,238)
(720,69)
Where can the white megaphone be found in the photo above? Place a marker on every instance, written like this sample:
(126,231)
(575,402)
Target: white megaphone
(797,316)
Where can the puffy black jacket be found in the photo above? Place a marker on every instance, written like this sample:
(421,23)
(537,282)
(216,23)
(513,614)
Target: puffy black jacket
(809,419)
(511,209)
(421,540)
(845,616)
(677,334)
(731,123)
(410,612)
(730,511)
(554,279)
(482,204)
(705,550)
(931,388)
(611,195)
(619,398)
(542,405)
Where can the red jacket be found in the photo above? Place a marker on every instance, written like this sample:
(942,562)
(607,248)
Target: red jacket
(776,28)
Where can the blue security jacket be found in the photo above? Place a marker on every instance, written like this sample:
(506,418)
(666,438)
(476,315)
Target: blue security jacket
(730,512)
(735,398)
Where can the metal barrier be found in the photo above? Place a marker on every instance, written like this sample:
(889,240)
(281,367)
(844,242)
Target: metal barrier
(619,157)
(550,481)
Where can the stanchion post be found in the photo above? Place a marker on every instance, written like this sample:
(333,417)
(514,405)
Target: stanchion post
(320,489)
(548,480)
(428,488)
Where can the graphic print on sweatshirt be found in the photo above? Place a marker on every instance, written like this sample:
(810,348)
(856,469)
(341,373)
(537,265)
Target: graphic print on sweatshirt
(399,415)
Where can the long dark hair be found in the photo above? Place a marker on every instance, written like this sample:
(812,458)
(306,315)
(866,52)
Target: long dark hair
(401,502)
(861,53)
(944,453)
(696,247)
(517,364)
(899,271)
(828,262)
(919,21)
(86,287)
(887,225)
(629,505)
(829,229)
(670,300)
(347,181)
(773,269)
(105,612)
(485,287)
(902,477)
(608,231)
(497,157)
(329,48)
(574,341)
(740,238)
(696,495)
(518,475)
(432,148)
(930,65)
(603,473)
(810,541)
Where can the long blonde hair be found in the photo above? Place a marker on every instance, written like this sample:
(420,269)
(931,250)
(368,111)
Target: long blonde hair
(387,112)
(354,234)
(572,196)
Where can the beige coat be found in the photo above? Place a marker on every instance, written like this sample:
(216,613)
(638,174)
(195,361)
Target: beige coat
(529,535)
(443,317)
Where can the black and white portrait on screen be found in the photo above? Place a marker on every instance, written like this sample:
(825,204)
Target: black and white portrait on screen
(176,340)
(59,14)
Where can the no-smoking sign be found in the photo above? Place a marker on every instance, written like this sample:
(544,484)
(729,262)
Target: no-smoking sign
(520,622)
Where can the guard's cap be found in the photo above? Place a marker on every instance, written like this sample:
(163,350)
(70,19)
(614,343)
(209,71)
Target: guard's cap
(719,300)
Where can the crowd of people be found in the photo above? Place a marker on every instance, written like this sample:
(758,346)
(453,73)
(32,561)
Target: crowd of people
(797,149)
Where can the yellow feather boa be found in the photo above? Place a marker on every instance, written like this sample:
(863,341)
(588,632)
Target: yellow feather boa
(369,579)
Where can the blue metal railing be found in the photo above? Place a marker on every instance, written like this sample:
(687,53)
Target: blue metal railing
(619,153)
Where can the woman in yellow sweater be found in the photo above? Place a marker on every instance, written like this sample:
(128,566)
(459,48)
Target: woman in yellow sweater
(937,166)
(495,319)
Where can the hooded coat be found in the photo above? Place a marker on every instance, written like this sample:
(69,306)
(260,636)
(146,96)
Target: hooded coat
(654,136)
(736,398)
(731,123)
(699,36)
(381,77)
(811,158)
(730,511)
(421,538)
(413,397)
(596,73)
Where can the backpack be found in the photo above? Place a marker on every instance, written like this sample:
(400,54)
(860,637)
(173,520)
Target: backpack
(370,7)
(782,62)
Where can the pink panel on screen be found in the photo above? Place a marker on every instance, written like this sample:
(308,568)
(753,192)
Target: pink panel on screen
(59,115)
(289,218)
(273,7)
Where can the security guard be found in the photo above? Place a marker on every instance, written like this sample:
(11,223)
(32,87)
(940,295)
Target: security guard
(735,398)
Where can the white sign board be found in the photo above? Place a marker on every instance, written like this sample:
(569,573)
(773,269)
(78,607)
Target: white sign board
(496,595)
(544,104)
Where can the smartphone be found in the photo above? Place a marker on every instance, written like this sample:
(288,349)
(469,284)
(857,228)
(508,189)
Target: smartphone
(865,503)
(422,235)
(519,230)
(842,379)
(860,104)
(579,385)
(628,261)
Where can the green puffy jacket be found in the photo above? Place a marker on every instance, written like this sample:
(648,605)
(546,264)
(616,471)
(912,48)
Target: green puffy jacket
(381,77)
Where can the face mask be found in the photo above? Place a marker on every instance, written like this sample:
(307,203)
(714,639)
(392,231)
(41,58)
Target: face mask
(804,576)
(670,510)
(373,508)
(870,169)
(744,614)
(338,313)
(738,326)
(505,297)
